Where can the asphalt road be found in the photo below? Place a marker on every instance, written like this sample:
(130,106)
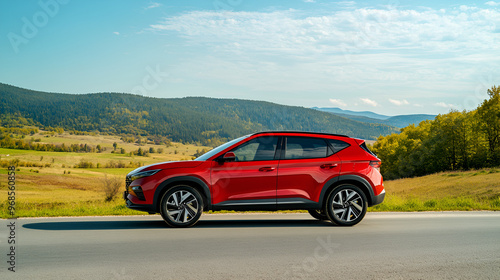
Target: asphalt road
(450,245)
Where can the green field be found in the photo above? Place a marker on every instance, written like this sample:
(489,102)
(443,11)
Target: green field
(445,191)
(59,189)
(48,184)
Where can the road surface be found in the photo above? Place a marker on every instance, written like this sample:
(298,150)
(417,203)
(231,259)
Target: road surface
(449,245)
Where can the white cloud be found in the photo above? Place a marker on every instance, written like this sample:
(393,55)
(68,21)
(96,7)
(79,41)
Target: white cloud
(116,33)
(445,105)
(153,5)
(344,31)
(492,3)
(346,3)
(337,102)
(465,8)
(398,102)
(385,51)
(369,102)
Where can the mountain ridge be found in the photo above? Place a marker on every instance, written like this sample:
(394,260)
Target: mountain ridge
(336,110)
(208,121)
(399,121)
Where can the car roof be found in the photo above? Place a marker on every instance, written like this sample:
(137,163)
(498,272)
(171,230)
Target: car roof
(299,132)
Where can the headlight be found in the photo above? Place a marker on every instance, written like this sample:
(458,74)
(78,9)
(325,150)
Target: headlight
(143,174)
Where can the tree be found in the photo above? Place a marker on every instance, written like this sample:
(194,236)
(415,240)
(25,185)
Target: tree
(489,113)
(449,142)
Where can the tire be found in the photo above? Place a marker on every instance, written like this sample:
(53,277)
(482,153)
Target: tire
(318,214)
(346,212)
(181,206)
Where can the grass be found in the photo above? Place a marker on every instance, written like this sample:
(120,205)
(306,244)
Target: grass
(76,208)
(61,190)
(446,191)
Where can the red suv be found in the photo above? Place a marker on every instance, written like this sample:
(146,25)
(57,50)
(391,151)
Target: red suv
(334,177)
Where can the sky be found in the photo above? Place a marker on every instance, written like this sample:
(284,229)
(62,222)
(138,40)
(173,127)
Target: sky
(389,57)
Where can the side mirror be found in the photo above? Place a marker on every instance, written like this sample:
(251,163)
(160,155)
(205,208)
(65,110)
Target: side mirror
(229,156)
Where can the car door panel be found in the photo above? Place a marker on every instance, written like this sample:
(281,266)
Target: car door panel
(244,180)
(305,167)
(251,176)
(304,178)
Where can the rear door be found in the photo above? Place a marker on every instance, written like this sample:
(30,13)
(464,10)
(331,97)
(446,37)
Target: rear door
(305,166)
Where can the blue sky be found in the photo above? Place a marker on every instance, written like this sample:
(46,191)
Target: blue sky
(390,57)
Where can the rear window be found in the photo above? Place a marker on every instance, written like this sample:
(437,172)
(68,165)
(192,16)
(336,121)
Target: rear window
(305,147)
(364,147)
(337,145)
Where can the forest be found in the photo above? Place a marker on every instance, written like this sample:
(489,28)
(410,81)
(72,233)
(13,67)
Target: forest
(205,121)
(453,141)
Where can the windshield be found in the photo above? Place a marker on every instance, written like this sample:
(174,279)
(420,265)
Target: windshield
(216,150)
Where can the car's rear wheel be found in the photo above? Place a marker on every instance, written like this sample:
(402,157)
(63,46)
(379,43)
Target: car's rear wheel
(318,214)
(346,205)
(181,206)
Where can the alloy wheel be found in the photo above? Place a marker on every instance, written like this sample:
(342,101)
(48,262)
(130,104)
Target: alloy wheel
(182,206)
(347,205)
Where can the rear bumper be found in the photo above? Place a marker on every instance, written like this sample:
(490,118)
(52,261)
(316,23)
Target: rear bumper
(378,198)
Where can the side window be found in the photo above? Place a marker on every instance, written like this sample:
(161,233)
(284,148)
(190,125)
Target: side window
(260,148)
(337,145)
(305,147)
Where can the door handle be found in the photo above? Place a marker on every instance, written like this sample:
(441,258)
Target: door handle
(328,165)
(266,169)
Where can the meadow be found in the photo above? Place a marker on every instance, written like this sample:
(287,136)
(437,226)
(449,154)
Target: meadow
(49,184)
(444,191)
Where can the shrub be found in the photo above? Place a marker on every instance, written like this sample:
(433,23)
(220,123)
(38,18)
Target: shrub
(111,186)
(84,164)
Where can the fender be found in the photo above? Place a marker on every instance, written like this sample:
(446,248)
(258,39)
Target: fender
(363,183)
(163,185)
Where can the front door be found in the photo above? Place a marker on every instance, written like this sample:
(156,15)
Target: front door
(251,178)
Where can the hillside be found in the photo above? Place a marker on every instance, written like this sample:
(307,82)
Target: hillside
(370,117)
(457,190)
(207,121)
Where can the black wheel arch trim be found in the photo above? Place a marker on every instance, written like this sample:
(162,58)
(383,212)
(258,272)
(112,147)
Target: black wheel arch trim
(361,182)
(163,186)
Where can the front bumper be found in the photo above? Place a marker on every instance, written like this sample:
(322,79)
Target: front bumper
(139,207)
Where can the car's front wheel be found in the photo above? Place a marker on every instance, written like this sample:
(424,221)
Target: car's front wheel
(346,205)
(181,206)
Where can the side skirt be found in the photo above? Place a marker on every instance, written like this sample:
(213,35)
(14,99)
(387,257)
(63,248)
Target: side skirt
(267,204)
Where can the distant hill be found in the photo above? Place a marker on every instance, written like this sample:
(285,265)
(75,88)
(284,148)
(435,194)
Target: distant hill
(192,119)
(370,117)
(405,120)
(367,114)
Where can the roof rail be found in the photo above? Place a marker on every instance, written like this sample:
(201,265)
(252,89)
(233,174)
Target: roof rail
(301,132)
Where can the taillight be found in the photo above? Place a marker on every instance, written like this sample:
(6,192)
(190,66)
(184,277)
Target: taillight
(375,164)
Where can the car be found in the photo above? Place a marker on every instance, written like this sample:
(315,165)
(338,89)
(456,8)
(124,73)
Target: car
(334,177)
